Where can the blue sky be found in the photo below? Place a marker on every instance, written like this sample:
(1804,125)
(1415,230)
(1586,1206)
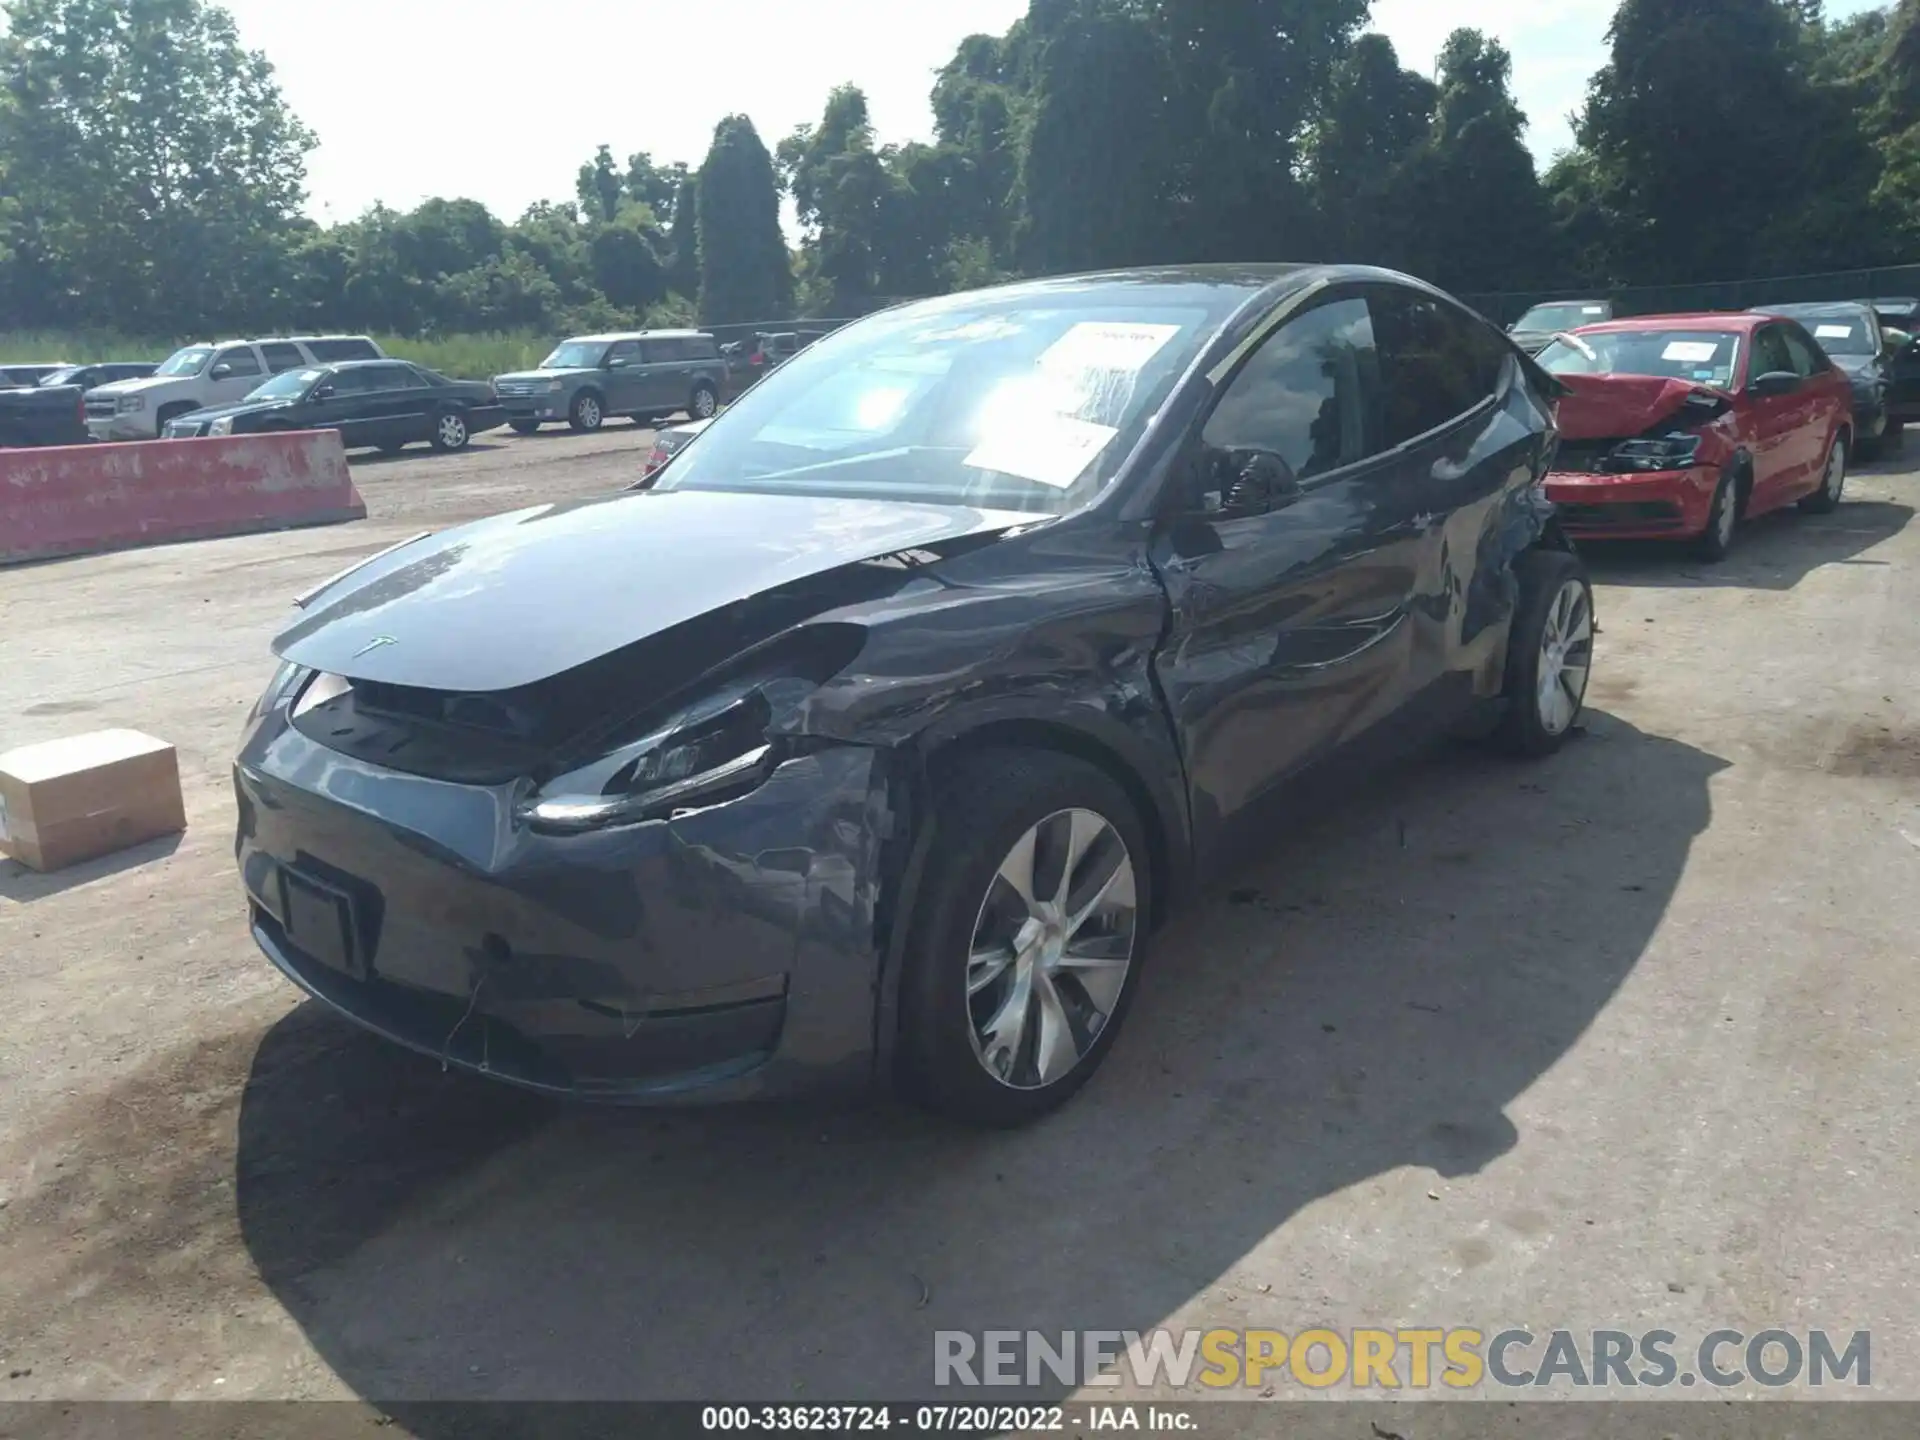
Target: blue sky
(501,102)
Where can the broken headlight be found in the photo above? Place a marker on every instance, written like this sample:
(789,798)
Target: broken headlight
(713,752)
(281,690)
(1668,452)
(717,748)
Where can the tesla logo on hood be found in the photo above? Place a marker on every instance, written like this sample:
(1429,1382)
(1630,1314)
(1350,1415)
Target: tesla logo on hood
(379,642)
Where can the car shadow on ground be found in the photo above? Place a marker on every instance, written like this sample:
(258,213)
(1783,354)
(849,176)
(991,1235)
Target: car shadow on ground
(1372,994)
(359,458)
(1774,552)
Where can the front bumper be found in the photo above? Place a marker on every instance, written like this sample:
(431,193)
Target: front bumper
(1665,504)
(545,406)
(729,953)
(482,418)
(136,425)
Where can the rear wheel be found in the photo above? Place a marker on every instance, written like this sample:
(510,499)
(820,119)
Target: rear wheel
(1833,480)
(523,427)
(1549,653)
(450,431)
(1027,939)
(586,412)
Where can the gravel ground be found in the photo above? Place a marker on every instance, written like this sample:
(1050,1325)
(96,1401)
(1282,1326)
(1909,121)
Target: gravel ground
(1624,1040)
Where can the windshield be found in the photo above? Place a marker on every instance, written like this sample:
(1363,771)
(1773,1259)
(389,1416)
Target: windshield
(61,377)
(1568,316)
(1707,357)
(287,385)
(574,355)
(187,361)
(1840,332)
(1024,401)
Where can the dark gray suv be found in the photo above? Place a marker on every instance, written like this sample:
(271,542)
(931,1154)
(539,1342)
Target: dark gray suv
(647,375)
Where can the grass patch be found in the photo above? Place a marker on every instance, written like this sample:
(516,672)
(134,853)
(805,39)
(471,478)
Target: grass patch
(466,357)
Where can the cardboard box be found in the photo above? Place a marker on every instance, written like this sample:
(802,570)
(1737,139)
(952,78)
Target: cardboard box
(71,800)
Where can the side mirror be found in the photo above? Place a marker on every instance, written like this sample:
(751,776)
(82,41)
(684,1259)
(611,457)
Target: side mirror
(324,392)
(220,372)
(1774,382)
(1248,482)
(618,362)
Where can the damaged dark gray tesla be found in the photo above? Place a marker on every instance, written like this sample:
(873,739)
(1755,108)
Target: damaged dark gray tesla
(875,736)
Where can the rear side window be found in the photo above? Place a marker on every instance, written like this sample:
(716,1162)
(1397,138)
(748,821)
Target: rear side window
(662,352)
(329,351)
(1436,362)
(282,355)
(1306,394)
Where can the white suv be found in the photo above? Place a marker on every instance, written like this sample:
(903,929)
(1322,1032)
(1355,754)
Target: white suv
(203,375)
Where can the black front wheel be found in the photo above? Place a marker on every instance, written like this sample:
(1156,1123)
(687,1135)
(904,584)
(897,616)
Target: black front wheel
(586,412)
(704,401)
(1549,653)
(1028,937)
(1723,520)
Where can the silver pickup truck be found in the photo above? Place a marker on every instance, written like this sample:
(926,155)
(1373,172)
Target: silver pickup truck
(647,374)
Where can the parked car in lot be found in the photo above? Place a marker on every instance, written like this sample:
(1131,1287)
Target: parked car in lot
(1851,335)
(645,375)
(198,376)
(874,739)
(25,377)
(36,415)
(385,403)
(1682,426)
(669,443)
(106,372)
(1900,322)
(1535,330)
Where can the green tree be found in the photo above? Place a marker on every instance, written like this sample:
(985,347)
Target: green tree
(683,244)
(1375,115)
(159,165)
(1098,168)
(600,187)
(744,268)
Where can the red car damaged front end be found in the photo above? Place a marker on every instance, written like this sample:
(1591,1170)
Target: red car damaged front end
(1640,455)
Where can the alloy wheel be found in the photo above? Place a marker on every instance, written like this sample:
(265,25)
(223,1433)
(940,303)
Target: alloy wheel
(453,431)
(590,413)
(1566,656)
(1052,945)
(703,404)
(1836,476)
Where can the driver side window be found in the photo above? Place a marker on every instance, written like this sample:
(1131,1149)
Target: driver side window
(1306,396)
(1770,355)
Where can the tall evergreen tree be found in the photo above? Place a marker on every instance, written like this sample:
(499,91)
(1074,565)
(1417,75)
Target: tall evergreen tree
(744,269)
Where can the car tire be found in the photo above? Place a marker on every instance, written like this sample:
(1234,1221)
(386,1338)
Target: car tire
(1892,437)
(1723,520)
(587,412)
(450,432)
(1061,992)
(1549,653)
(704,401)
(170,413)
(1833,481)
(523,427)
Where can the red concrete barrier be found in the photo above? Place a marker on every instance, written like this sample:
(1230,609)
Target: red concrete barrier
(79,499)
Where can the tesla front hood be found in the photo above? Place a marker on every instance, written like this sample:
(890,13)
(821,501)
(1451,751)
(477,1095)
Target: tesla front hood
(1603,407)
(519,598)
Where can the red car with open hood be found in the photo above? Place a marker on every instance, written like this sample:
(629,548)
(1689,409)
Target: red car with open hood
(1682,426)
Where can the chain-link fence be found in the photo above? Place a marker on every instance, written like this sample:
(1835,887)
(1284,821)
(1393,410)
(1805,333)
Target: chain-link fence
(1505,307)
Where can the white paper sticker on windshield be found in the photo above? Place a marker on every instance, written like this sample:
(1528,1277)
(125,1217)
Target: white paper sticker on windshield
(1832,332)
(1690,352)
(1593,309)
(1106,346)
(1052,451)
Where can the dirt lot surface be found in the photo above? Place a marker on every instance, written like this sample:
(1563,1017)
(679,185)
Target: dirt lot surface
(1621,1040)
